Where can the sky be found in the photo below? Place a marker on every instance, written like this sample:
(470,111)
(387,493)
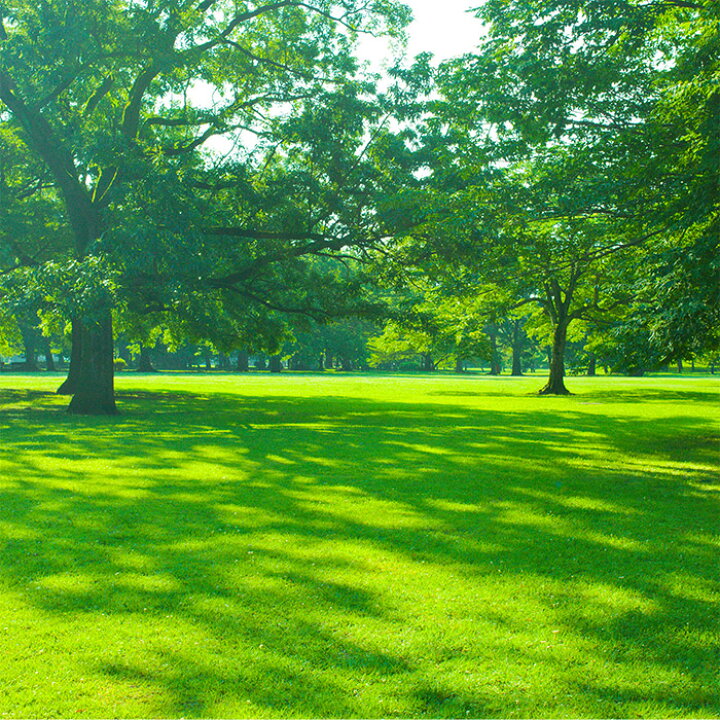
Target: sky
(442,27)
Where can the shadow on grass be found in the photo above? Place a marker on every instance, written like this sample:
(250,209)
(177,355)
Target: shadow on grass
(232,516)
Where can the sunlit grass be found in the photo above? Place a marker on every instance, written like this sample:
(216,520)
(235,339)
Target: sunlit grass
(309,546)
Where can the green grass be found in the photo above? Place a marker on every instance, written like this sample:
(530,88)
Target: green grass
(309,546)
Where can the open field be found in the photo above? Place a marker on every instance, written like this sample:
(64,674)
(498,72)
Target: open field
(331,546)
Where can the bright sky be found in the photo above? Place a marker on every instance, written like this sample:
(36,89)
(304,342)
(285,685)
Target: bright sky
(442,27)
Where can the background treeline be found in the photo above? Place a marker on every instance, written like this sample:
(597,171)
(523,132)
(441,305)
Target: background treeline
(511,345)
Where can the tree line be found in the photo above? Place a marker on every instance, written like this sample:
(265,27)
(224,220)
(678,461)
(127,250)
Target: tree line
(417,341)
(231,173)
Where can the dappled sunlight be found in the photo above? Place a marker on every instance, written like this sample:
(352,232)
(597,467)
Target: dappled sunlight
(579,502)
(402,556)
(602,601)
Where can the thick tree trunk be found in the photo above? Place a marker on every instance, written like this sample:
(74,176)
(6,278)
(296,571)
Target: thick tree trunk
(556,381)
(459,365)
(680,366)
(145,362)
(428,364)
(275,364)
(95,392)
(329,360)
(70,384)
(243,361)
(321,362)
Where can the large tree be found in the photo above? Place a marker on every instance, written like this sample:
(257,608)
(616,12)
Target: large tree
(122,102)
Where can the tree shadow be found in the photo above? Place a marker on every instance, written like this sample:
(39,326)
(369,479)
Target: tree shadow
(305,543)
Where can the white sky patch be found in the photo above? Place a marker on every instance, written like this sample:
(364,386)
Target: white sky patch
(444,28)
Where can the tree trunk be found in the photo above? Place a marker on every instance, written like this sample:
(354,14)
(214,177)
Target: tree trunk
(679,366)
(427,362)
(275,364)
(30,347)
(321,362)
(329,360)
(592,365)
(95,392)
(243,361)
(495,368)
(459,365)
(70,384)
(49,360)
(518,342)
(145,362)
(516,362)
(556,381)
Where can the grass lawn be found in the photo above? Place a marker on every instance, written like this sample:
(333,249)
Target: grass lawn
(343,546)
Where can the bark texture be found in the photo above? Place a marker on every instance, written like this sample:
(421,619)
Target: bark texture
(95,393)
(70,384)
(556,381)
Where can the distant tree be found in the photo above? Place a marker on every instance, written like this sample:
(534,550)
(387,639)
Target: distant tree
(338,344)
(514,336)
(430,322)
